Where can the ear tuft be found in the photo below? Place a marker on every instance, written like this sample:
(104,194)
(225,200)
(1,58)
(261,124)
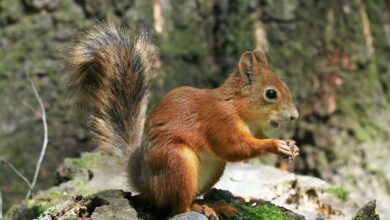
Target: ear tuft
(260,57)
(245,66)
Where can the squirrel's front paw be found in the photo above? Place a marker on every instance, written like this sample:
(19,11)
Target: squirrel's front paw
(287,148)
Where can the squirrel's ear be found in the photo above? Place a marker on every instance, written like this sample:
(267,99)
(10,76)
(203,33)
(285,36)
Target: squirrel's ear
(245,67)
(260,57)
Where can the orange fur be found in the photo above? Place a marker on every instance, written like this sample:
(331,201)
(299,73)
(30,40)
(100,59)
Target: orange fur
(212,122)
(181,150)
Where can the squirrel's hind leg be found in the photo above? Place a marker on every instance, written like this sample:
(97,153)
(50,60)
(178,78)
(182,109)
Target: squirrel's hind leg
(174,177)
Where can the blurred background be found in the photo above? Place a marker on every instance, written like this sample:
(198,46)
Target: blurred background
(332,54)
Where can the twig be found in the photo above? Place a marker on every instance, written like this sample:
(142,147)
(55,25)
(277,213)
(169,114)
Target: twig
(17,172)
(31,108)
(45,139)
(1,206)
(43,150)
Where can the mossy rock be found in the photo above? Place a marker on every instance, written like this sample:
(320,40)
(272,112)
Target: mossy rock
(367,212)
(108,204)
(265,211)
(338,192)
(28,209)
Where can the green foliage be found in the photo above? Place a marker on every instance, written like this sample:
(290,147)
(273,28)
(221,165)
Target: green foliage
(338,192)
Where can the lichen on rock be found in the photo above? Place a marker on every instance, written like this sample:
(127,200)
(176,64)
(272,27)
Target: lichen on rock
(367,212)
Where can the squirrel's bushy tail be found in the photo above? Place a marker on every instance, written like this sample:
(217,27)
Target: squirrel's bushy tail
(111,69)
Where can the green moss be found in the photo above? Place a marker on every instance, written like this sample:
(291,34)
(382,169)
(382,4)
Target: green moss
(338,192)
(260,212)
(11,210)
(79,163)
(79,183)
(85,160)
(10,10)
(34,208)
(6,3)
(3,83)
(52,210)
(68,13)
(57,194)
(70,216)
(38,207)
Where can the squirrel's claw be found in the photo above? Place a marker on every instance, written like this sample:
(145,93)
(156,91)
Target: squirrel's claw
(287,148)
(205,210)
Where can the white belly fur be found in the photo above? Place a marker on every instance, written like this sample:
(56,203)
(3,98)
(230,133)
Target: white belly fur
(209,167)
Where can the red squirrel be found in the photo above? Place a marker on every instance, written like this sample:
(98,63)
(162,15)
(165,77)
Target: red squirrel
(180,150)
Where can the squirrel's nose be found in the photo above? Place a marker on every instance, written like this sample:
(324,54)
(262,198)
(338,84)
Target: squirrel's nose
(294,115)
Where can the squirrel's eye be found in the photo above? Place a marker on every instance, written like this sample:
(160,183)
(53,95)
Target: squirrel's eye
(271,94)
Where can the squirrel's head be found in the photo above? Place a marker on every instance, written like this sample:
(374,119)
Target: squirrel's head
(267,99)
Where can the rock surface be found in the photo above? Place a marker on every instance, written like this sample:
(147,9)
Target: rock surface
(118,207)
(304,194)
(189,216)
(94,186)
(367,212)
